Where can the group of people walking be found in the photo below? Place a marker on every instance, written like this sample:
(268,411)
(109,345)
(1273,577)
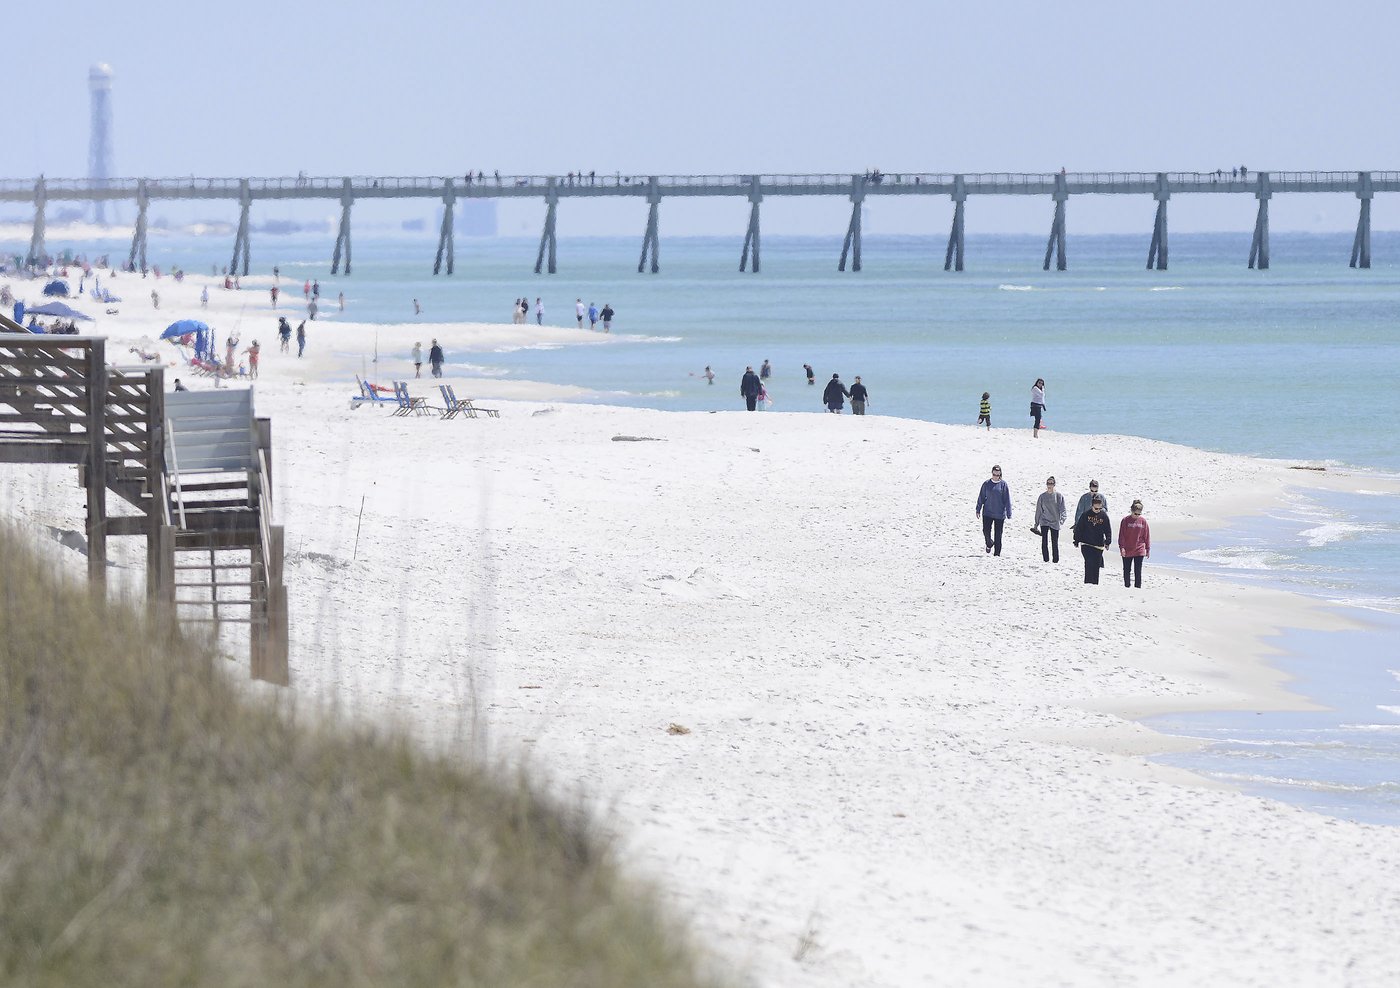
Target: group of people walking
(753,387)
(521,313)
(1092,532)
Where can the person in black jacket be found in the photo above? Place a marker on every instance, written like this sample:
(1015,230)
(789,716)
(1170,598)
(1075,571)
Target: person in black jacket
(749,388)
(835,395)
(1093,534)
(435,358)
(859,396)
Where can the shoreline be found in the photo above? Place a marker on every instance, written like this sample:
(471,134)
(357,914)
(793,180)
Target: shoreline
(885,727)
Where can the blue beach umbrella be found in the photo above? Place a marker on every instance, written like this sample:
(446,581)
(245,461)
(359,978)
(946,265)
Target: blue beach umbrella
(186,327)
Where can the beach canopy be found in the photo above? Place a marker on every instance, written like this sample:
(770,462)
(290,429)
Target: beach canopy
(189,327)
(57,309)
(57,288)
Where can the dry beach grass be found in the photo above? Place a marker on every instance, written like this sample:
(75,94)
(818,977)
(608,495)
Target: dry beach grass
(157,827)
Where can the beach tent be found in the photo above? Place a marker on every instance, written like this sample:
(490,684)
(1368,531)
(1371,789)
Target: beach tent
(57,288)
(203,345)
(58,309)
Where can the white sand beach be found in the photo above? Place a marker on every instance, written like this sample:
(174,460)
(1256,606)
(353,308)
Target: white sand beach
(905,762)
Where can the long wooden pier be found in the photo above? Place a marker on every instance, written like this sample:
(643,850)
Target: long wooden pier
(1058,187)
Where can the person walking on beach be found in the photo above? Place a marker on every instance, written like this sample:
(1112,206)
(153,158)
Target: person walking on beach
(301,337)
(859,397)
(579,311)
(312,308)
(994,508)
(273,292)
(1093,534)
(341,300)
(749,387)
(284,332)
(306,290)
(766,371)
(155,299)
(1037,404)
(203,298)
(417,309)
(592,316)
(539,311)
(811,374)
(316,289)
(435,358)
(418,359)
(607,315)
(1087,499)
(835,395)
(1134,544)
(253,353)
(984,414)
(1049,516)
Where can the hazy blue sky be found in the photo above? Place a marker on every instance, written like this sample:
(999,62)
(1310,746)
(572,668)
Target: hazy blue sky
(438,86)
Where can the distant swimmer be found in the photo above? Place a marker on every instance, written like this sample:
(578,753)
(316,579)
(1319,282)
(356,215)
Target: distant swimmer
(766,371)
(708,375)
(811,374)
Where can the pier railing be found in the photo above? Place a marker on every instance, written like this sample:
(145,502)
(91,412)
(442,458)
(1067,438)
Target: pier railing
(858,187)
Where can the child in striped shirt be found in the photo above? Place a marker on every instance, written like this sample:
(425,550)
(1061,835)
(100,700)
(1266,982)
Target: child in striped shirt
(986,415)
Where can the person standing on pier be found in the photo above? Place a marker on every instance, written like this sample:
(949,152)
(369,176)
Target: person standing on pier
(1037,405)
(607,314)
(749,387)
(579,311)
(539,311)
(435,358)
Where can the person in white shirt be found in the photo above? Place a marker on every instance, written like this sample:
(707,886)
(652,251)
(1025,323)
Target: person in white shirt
(539,312)
(580,311)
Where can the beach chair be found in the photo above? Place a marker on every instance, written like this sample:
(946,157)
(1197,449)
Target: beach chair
(369,395)
(409,405)
(466,405)
(452,407)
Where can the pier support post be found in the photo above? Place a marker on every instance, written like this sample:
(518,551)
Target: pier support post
(240,241)
(445,239)
(36,242)
(953,259)
(138,234)
(751,237)
(851,245)
(1259,248)
(650,239)
(342,238)
(1361,246)
(95,465)
(1056,243)
(1157,252)
(547,240)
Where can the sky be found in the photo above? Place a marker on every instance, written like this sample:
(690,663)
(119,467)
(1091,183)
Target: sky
(732,86)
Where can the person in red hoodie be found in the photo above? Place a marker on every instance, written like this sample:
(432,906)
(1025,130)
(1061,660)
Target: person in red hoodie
(1134,544)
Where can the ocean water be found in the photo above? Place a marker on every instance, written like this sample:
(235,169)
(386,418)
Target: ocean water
(1296,363)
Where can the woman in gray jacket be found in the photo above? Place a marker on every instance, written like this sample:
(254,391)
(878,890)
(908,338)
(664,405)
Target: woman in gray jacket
(1049,516)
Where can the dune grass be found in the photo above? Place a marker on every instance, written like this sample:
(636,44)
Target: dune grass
(157,827)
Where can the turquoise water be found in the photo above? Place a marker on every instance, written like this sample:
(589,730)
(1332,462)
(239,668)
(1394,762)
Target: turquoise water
(1296,363)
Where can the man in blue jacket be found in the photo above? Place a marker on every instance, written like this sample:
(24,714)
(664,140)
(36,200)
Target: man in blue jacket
(994,508)
(749,388)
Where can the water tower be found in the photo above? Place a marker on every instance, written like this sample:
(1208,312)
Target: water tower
(100,143)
